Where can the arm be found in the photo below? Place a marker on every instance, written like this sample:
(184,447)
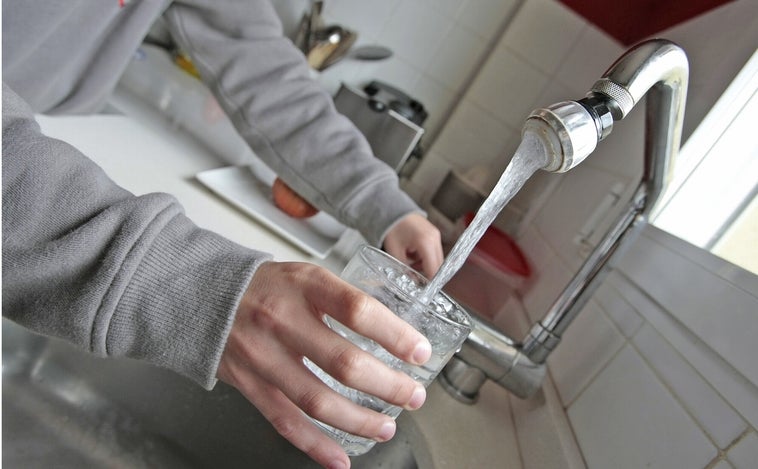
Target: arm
(262,81)
(113,273)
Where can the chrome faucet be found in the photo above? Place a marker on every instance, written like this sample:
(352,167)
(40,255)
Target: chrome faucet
(570,131)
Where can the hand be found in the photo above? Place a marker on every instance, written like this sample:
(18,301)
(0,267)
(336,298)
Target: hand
(280,320)
(416,242)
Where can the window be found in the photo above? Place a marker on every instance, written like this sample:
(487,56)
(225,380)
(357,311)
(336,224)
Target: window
(712,200)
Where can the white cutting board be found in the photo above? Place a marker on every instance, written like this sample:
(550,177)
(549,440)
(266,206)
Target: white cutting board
(241,187)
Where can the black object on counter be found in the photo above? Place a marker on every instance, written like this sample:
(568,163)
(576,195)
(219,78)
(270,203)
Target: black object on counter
(383,96)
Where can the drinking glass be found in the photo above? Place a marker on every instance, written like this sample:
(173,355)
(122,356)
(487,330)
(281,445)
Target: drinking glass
(442,321)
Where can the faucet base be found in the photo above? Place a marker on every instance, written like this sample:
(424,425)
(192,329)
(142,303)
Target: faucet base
(462,381)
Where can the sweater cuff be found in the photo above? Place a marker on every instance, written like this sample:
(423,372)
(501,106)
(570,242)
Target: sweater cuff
(179,306)
(376,210)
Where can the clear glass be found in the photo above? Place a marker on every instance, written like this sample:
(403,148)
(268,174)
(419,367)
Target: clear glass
(443,322)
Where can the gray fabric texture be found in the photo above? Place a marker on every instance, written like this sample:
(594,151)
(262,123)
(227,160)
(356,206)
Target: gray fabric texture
(126,275)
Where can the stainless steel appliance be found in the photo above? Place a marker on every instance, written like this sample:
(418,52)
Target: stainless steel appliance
(390,120)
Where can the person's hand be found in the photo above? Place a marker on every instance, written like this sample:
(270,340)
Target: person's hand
(416,242)
(280,320)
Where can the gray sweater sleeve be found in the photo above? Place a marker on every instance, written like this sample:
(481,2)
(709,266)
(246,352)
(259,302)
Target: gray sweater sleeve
(262,81)
(116,274)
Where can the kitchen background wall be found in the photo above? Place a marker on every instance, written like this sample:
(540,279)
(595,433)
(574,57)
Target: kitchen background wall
(438,46)
(659,370)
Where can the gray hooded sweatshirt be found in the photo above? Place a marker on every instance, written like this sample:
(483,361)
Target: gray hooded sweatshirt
(126,275)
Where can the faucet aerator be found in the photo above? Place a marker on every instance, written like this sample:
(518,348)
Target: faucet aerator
(568,132)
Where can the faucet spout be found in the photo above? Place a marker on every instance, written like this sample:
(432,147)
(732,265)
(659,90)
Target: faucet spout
(570,132)
(659,70)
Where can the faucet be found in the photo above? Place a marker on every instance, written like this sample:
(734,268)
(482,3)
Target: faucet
(570,131)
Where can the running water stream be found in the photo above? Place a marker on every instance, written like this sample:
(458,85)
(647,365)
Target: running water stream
(529,157)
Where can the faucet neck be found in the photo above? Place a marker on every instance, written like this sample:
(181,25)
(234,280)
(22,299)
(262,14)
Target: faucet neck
(659,70)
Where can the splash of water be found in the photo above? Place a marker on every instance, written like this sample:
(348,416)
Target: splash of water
(529,157)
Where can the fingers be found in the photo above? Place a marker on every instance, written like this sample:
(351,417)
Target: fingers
(370,318)
(291,423)
(416,242)
(280,320)
(347,363)
(431,256)
(360,370)
(286,372)
(310,337)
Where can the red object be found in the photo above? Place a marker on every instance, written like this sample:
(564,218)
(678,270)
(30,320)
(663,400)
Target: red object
(289,202)
(501,251)
(631,21)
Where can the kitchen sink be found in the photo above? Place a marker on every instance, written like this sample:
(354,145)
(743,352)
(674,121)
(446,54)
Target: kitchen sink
(65,408)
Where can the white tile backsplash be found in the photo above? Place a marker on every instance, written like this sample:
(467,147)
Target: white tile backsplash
(587,346)
(437,45)
(457,61)
(618,309)
(628,419)
(724,314)
(508,87)
(579,192)
(486,17)
(543,34)
(622,152)
(722,464)
(535,248)
(730,384)
(744,455)
(415,32)
(549,283)
(710,410)
(474,137)
(591,55)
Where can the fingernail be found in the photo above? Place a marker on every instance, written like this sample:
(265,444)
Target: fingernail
(387,431)
(422,352)
(417,399)
(337,465)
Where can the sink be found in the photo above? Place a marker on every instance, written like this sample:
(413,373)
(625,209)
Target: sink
(65,408)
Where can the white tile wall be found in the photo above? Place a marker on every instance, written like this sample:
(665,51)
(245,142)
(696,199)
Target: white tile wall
(618,411)
(438,45)
(544,34)
(707,407)
(724,314)
(580,190)
(723,464)
(473,123)
(588,345)
(627,419)
(744,455)
(730,384)
(618,309)
(507,87)
(591,55)
(550,282)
